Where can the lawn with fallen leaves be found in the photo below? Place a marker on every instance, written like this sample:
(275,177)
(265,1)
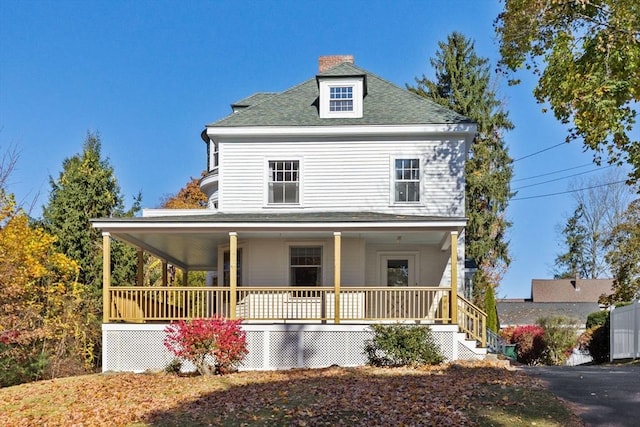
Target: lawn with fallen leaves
(458,394)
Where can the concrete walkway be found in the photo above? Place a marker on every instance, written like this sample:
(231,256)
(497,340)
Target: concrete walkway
(600,395)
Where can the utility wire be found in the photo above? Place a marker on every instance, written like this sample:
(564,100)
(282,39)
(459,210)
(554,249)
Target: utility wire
(568,191)
(561,178)
(551,173)
(538,152)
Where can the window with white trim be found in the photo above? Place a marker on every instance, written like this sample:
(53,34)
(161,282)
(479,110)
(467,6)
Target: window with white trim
(305,265)
(341,98)
(284,181)
(406,180)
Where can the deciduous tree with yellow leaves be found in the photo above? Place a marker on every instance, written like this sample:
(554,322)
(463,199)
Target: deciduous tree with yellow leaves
(42,316)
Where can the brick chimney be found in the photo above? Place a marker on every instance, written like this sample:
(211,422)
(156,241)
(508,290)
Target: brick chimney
(329,61)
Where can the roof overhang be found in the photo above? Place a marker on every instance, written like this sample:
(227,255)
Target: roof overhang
(345,130)
(192,242)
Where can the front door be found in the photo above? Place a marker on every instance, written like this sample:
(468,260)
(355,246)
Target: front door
(398,271)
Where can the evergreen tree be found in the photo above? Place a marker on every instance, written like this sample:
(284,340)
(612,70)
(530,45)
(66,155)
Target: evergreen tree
(572,262)
(463,84)
(87,188)
(492,310)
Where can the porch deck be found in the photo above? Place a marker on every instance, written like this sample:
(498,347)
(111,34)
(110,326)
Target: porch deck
(355,305)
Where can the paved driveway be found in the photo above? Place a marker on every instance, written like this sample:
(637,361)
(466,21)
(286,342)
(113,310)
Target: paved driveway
(600,395)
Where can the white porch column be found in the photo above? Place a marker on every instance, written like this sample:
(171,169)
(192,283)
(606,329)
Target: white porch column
(140,269)
(337,249)
(233,272)
(454,277)
(106,277)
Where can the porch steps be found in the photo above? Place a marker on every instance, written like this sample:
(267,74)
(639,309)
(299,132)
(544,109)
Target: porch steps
(468,349)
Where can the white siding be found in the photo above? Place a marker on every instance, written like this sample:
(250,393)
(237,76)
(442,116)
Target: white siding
(266,261)
(343,175)
(434,264)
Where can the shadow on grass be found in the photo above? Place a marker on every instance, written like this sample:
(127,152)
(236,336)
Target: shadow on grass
(370,397)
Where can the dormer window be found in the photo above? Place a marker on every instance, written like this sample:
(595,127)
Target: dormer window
(341,97)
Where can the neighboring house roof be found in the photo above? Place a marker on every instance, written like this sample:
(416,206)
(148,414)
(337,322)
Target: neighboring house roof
(512,313)
(384,104)
(569,290)
(572,298)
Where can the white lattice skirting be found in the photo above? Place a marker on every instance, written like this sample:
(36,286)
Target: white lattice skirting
(139,347)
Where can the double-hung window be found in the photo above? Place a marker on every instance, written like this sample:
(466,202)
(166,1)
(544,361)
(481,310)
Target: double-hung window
(407,180)
(306,265)
(284,181)
(341,98)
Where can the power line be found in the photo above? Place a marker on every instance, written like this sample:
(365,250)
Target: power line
(568,191)
(561,178)
(538,152)
(551,173)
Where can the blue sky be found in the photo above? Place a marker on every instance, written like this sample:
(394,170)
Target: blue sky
(148,75)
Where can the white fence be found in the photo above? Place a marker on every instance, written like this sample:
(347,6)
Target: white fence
(625,332)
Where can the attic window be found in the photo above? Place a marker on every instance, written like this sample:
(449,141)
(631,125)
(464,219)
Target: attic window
(341,98)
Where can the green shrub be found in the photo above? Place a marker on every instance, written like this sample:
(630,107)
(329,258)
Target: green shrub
(174,367)
(599,345)
(596,338)
(402,345)
(597,318)
(560,336)
(19,366)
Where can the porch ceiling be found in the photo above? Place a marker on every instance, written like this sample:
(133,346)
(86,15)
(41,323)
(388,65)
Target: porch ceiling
(192,242)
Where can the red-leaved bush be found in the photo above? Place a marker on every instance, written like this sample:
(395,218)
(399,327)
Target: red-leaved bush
(530,345)
(215,346)
(506,333)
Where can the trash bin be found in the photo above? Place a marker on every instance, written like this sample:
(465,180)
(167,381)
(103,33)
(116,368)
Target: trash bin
(510,351)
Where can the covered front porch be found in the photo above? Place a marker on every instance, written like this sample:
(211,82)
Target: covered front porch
(364,269)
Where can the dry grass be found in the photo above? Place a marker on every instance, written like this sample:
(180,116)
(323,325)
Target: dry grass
(459,394)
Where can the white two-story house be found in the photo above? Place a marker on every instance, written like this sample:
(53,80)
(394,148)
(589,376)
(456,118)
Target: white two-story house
(332,205)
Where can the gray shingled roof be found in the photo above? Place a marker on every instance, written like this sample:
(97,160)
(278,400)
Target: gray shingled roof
(384,104)
(527,312)
(254,99)
(285,217)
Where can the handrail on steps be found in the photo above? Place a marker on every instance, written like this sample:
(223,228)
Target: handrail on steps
(472,320)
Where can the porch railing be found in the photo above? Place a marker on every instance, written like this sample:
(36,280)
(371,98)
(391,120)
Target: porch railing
(295,304)
(148,304)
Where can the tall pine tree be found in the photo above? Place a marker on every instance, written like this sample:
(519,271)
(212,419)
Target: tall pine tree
(87,188)
(463,84)
(572,263)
